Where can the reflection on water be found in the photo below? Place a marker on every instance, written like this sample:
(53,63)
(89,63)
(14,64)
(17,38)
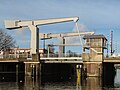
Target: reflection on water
(117,79)
(30,83)
(92,83)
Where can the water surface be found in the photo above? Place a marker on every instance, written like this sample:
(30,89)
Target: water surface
(30,83)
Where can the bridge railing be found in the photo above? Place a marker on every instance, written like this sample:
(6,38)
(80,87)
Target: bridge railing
(62,55)
(16,56)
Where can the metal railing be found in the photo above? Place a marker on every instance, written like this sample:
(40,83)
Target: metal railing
(13,56)
(62,55)
(16,56)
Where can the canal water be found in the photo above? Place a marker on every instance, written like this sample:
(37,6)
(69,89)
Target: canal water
(30,83)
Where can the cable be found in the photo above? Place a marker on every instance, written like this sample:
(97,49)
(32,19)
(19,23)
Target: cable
(76,25)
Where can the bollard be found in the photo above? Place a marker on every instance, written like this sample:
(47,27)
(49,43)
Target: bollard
(78,71)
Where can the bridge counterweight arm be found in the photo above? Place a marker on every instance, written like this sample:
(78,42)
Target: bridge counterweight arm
(32,24)
(11,24)
(58,35)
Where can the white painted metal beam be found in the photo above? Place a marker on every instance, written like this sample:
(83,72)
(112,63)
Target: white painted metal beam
(32,24)
(58,35)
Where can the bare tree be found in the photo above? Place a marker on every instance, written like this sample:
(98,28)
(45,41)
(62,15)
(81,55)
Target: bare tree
(6,41)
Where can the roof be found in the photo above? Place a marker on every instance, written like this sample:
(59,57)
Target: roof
(94,36)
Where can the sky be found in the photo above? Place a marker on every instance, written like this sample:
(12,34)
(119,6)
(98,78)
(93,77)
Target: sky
(100,16)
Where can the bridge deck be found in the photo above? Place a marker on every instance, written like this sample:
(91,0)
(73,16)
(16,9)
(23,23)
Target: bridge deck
(62,60)
(112,60)
(47,60)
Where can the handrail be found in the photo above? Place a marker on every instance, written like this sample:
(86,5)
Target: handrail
(16,56)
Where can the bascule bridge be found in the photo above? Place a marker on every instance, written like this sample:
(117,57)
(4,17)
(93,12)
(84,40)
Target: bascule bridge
(92,62)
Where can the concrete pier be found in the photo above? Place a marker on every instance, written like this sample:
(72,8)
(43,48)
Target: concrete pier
(93,54)
(93,69)
(31,68)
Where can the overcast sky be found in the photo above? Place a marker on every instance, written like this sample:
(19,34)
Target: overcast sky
(100,16)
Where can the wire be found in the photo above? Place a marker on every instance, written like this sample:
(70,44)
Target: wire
(76,25)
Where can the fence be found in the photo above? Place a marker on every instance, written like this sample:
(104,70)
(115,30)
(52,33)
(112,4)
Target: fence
(15,56)
(62,55)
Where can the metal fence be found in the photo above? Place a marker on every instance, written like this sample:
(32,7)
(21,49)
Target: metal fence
(62,55)
(15,56)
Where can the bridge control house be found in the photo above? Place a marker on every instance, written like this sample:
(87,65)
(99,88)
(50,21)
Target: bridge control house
(93,54)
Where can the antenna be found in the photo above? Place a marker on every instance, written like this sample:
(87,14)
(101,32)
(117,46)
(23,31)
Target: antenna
(111,43)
